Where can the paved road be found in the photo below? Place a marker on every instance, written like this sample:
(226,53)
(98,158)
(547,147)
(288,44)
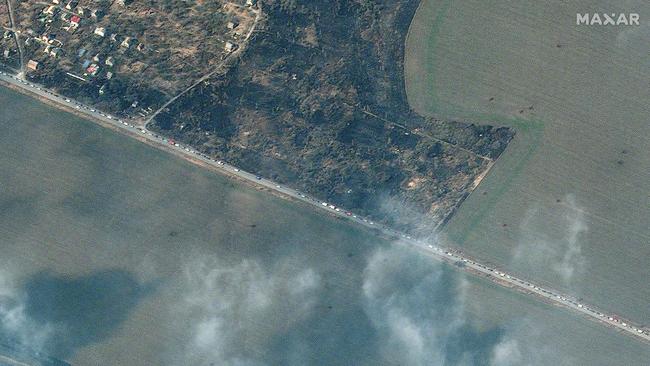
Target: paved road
(460,261)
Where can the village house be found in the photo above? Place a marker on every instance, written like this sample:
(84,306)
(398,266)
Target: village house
(126,43)
(55,51)
(229,46)
(109,61)
(32,65)
(50,10)
(93,69)
(100,31)
(74,20)
(97,14)
(72,4)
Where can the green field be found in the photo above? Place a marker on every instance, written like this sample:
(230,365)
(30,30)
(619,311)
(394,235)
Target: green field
(114,253)
(568,202)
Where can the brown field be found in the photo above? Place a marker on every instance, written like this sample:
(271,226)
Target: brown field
(139,249)
(568,202)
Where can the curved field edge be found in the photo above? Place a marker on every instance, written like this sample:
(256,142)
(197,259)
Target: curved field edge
(420,83)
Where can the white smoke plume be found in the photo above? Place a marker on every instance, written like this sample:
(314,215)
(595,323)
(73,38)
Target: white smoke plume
(235,310)
(558,249)
(16,328)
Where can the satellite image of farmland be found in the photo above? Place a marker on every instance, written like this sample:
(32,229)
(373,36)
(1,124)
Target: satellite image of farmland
(324,182)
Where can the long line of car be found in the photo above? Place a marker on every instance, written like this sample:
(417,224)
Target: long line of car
(445,254)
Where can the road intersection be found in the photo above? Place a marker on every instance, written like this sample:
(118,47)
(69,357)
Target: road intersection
(448,255)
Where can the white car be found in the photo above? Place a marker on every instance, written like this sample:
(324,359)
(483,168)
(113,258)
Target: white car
(236,169)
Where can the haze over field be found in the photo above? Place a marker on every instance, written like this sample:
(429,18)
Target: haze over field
(567,203)
(116,253)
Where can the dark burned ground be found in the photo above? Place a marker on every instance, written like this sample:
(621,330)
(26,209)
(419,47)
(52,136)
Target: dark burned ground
(317,102)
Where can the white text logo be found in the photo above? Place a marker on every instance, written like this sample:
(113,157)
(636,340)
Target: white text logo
(607,19)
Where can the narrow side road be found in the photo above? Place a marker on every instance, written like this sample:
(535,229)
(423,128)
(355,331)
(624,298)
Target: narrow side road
(462,262)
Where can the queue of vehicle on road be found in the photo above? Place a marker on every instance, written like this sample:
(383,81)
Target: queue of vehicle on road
(448,253)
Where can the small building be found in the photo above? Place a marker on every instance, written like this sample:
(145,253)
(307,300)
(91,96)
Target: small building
(109,61)
(126,43)
(81,52)
(109,75)
(50,10)
(232,24)
(54,52)
(85,64)
(32,65)
(93,69)
(140,47)
(229,46)
(100,31)
(6,53)
(71,4)
(97,14)
(250,2)
(96,58)
(75,19)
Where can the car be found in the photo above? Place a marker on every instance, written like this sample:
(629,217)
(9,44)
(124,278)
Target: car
(258,177)
(277,186)
(67,100)
(236,169)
